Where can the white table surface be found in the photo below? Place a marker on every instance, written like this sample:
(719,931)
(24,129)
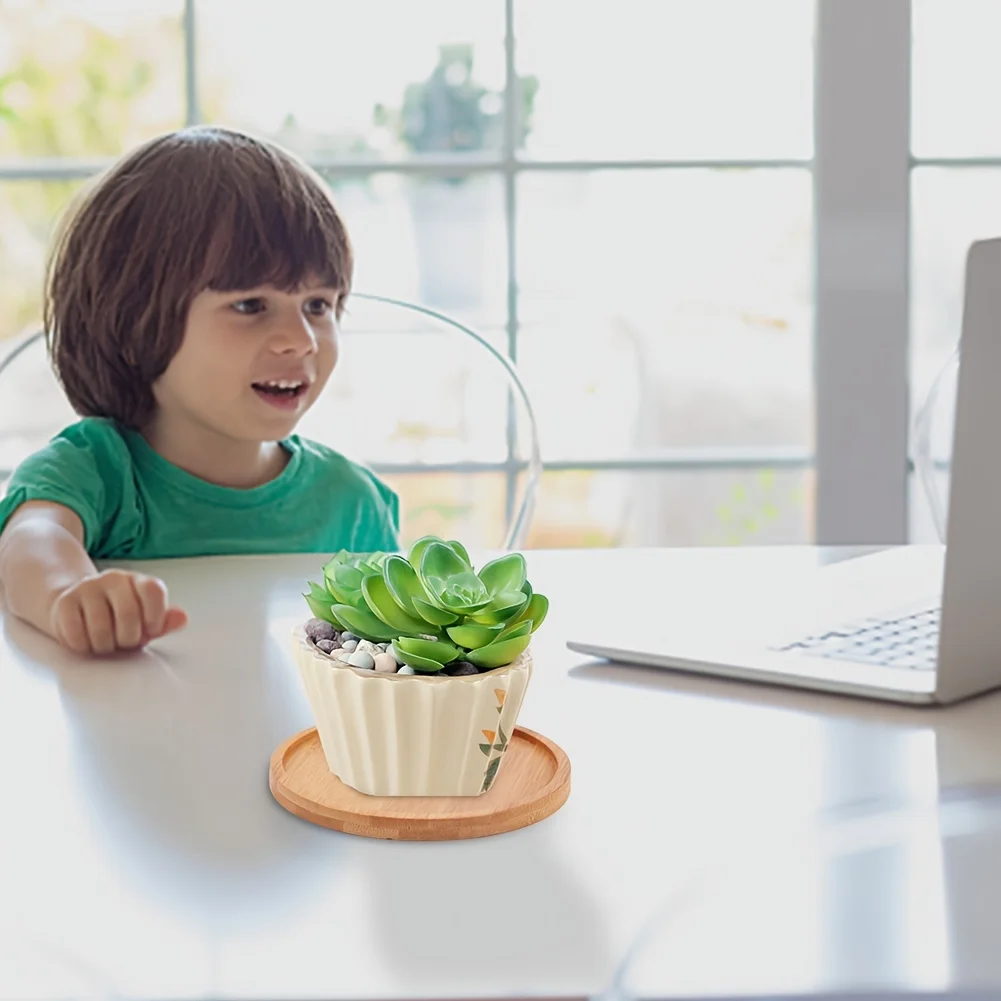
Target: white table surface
(141,852)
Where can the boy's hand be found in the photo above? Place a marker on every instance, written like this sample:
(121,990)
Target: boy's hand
(114,610)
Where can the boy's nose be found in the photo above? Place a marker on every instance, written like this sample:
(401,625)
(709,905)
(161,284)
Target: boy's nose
(295,336)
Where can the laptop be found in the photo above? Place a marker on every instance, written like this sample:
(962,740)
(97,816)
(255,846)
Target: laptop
(910,624)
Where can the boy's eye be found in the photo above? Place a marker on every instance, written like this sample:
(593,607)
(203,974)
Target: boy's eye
(249,307)
(318,307)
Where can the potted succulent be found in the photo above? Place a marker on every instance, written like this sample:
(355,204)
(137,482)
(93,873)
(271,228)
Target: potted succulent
(416,666)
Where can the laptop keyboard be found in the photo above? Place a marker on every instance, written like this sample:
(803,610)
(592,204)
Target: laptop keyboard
(907,641)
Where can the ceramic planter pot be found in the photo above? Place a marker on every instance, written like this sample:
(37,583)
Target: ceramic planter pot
(412,735)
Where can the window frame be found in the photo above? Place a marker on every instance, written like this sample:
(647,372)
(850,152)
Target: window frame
(861,257)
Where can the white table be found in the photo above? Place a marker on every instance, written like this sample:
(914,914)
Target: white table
(139,842)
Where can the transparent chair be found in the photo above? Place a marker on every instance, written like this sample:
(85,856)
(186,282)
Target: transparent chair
(435,408)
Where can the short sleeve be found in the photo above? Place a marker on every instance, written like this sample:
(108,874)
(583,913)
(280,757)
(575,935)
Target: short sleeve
(391,500)
(81,469)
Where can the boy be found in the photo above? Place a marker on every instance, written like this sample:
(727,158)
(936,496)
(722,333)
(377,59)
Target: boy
(191,311)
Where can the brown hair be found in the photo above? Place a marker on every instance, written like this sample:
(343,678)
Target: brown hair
(196,209)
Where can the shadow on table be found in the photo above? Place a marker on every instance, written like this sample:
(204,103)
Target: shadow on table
(504,911)
(172,756)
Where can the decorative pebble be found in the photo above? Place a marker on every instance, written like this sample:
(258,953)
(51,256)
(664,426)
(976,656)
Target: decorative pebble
(406,669)
(383,647)
(362,659)
(460,668)
(385,663)
(317,629)
(347,635)
(327,646)
(367,647)
(349,645)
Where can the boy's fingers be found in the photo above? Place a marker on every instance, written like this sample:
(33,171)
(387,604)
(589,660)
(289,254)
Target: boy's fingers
(100,622)
(176,619)
(127,612)
(70,628)
(152,596)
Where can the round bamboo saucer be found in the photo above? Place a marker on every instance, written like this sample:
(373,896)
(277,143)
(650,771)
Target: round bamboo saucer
(532,783)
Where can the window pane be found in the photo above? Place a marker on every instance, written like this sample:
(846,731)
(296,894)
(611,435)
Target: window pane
(28,214)
(466,506)
(88,77)
(950,209)
(667,308)
(956,78)
(675,78)
(332,78)
(438,242)
(745,507)
(437,397)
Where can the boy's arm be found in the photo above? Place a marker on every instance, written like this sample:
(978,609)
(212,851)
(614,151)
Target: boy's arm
(41,555)
(48,580)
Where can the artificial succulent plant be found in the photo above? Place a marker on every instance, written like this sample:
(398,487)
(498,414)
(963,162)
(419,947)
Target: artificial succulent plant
(432,605)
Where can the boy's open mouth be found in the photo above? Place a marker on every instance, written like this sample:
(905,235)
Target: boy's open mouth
(282,393)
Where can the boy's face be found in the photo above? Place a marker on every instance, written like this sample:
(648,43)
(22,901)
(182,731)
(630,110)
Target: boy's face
(251,362)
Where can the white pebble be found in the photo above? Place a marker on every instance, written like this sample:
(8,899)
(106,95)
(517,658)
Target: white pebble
(362,659)
(385,663)
(406,669)
(348,635)
(367,647)
(349,645)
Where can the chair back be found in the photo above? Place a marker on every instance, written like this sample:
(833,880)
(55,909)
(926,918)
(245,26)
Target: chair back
(431,405)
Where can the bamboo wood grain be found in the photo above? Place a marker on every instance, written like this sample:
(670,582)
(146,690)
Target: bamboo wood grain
(533,782)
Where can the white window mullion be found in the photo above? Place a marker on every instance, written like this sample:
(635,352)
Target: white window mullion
(192,106)
(862,257)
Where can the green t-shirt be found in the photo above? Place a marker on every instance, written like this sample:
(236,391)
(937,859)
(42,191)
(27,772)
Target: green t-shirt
(134,504)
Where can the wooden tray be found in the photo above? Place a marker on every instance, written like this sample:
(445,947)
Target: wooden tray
(533,783)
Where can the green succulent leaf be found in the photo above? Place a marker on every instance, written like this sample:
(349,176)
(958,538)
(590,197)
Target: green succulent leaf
(349,578)
(320,604)
(536,610)
(499,653)
(417,550)
(462,592)
(460,550)
(432,614)
(339,594)
(439,560)
(383,605)
(504,574)
(437,650)
(502,609)
(341,556)
(423,664)
(527,589)
(514,631)
(472,636)
(403,583)
(450,582)
(364,624)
